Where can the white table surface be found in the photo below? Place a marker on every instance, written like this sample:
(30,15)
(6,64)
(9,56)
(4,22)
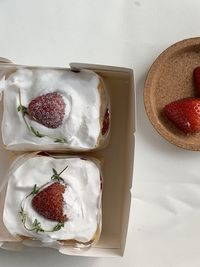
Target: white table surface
(164,226)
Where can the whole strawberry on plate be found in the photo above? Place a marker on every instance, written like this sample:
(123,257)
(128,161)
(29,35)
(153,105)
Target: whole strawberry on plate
(196,78)
(184,114)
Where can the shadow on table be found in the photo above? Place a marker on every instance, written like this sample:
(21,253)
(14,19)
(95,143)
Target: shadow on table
(43,257)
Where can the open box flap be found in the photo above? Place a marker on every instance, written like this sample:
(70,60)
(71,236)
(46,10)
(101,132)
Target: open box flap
(95,67)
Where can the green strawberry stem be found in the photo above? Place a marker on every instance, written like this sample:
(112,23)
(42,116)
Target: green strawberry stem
(23,110)
(56,175)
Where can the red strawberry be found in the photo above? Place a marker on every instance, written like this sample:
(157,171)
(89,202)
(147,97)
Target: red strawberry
(196,77)
(106,122)
(185,114)
(48,109)
(50,202)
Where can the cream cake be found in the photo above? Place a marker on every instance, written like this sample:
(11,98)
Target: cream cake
(54,199)
(54,109)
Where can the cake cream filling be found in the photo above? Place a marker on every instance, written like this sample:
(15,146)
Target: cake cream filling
(82,198)
(81,124)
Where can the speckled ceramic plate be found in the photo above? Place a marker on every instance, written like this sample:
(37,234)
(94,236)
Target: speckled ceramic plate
(170,78)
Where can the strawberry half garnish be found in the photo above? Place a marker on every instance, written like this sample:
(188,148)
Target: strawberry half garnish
(196,77)
(184,114)
(50,202)
(106,122)
(48,109)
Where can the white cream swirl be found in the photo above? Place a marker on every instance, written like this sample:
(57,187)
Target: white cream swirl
(82,198)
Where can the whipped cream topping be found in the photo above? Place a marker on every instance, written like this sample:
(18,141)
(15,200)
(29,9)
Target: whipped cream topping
(81,125)
(82,198)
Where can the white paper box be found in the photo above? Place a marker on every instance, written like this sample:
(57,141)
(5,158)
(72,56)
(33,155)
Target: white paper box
(117,160)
